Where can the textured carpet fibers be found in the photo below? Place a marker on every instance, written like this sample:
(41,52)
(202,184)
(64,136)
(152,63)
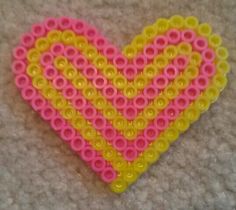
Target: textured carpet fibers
(38,171)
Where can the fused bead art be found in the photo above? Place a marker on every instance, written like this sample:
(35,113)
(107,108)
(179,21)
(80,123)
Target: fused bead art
(119,111)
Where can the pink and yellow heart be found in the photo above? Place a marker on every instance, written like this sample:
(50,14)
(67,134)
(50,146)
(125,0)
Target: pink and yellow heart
(119,111)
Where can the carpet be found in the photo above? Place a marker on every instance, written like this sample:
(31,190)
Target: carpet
(38,171)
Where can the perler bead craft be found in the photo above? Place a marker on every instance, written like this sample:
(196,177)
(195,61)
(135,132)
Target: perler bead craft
(119,111)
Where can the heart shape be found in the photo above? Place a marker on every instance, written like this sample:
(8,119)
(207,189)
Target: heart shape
(120,110)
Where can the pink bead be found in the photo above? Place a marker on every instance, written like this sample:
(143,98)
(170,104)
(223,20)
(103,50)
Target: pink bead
(120,61)
(130,71)
(140,62)
(181,62)
(109,133)
(130,153)
(173,36)
(161,122)
(150,133)
(21,81)
(130,112)
(170,72)
(208,55)
(79,102)
(57,123)
(18,67)
(160,42)
(70,52)
(69,92)
(38,103)
(100,42)
(171,112)
(91,33)
(64,23)
(108,175)
(188,35)
(46,59)
(77,143)
(59,82)
(80,62)
(90,72)
(67,133)
(19,53)
(109,91)
(99,82)
(181,102)
(89,112)
(28,93)
(38,30)
(192,92)
(120,101)
(150,51)
(50,72)
(201,82)
(200,44)
(27,40)
(50,23)
(119,143)
(47,113)
(57,49)
(150,92)
(208,69)
(98,164)
(140,143)
(87,154)
(110,51)
(140,101)
(79,26)
(160,82)
(99,122)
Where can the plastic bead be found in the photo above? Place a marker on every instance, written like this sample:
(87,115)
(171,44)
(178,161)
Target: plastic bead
(119,111)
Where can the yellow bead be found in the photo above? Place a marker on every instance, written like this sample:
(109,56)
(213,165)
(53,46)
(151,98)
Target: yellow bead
(150,71)
(176,21)
(118,186)
(49,92)
(191,72)
(181,124)
(98,143)
(33,55)
(161,145)
(222,53)
(70,72)
(100,61)
(54,36)
(215,40)
(171,134)
(120,82)
(195,59)
(140,122)
(162,25)
(39,82)
(151,155)
(78,122)
(60,62)
(160,61)
(89,92)
(109,71)
(129,175)
(59,102)
(130,133)
(99,102)
(42,44)
(181,82)
(171,92)
(212,93)
(149,32)
(68,112)
(68,37)
(120,123)
(79,82)
(139,42)
(108,154)
(130,91)
(191,22)
(184,48)
(192,114)
(204,29)
(81,43)
(150,112)
(140,81)
(33,69)
(223,67)
(140,165)
(202,103)
(161,102)
(119,164)
(90,52)
(220,81)
(109,112)
(88,133)
(170,52)
(129,51)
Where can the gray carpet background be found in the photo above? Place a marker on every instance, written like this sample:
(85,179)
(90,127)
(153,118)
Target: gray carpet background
(39,172)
